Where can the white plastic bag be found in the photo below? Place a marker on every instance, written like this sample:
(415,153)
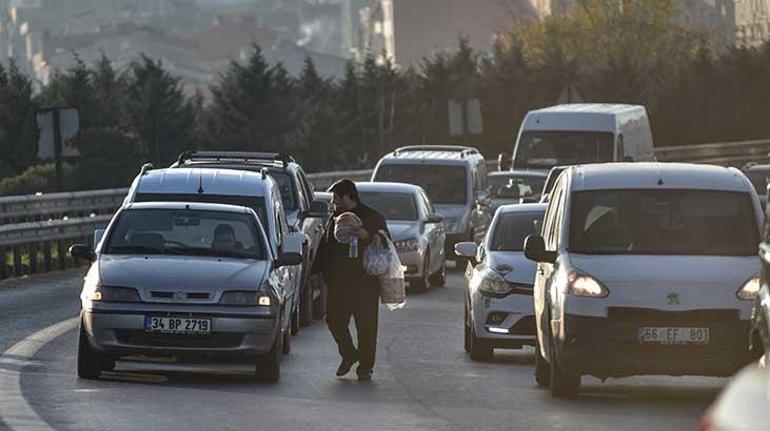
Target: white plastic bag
(392,284)
(377,256)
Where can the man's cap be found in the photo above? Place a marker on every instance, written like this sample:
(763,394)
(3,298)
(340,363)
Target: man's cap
(344,187)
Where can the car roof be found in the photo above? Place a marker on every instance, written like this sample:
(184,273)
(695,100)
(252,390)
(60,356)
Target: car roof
(523,208)
(387,187)
(654,175)
(453,154)
(216,181)
(756,167)
(581,117)
(198,206)
(517,173)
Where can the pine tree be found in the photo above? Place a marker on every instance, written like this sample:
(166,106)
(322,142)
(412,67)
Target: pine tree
(18,124)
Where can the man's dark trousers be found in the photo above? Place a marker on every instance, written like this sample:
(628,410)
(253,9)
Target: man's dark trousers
(357,298)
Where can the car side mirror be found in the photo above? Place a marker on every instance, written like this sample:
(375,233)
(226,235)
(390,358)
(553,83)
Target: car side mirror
(288,259)
(534,249)
(319,209)
(467,249)
(98,234)
(434,219)
(82,251)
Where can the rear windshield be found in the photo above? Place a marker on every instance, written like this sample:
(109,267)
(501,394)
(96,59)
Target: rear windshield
(511,229)
(253,202)
(444,184)
(664,222)
(186,232)
(545,149)
(392,206)
(514,186)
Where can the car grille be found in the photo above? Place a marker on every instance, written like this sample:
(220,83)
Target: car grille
(220,340)
(647,315)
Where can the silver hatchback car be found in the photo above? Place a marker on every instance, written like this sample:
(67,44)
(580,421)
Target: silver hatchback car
(184,279)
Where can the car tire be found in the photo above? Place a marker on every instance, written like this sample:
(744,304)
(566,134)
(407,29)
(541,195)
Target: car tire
(438,278)
(268,366)
(306,305)
(286,343)
(562,385)
(542,369)
(467,327)
(480,350)
(423,283)
(90,363)
(294,321)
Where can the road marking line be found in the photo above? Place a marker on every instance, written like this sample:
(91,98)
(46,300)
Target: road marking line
(15,411)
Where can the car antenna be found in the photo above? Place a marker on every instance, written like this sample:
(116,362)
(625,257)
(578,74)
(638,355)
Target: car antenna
(200,182)
(660,177)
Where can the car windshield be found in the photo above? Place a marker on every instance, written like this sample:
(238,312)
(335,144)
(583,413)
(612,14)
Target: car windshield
(511,229)
(392,205)
(759,180)
(514,186)
(663,222)
(443,184)
(186,232)
(545,149)
(254,202)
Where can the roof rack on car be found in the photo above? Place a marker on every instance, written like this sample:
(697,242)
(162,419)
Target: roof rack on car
(146,167)
(464,151)
(259,158)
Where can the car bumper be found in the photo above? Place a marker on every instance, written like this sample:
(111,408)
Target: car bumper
(506,322)
(414,261)
(609,347)
(123,334)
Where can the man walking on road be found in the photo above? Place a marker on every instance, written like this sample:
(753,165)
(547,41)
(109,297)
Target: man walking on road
(351,292)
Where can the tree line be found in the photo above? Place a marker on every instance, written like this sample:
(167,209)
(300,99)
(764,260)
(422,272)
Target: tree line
(695,90)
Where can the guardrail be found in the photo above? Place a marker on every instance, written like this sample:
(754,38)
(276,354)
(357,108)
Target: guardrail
(39,228)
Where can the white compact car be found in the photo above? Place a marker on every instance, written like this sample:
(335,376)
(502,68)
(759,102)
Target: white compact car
(498,302)
(415,228)
(645,268)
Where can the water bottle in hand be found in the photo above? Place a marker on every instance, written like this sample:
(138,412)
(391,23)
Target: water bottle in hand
(353,248)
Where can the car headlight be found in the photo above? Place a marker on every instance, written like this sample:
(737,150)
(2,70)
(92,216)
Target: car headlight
(579,284)
(250,298)
(113,294)
(491,283)
(749,290)
(411,244)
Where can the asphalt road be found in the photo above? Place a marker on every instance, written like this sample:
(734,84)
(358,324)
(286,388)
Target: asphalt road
(423,380)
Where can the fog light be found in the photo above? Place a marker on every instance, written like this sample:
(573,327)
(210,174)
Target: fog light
(497,330)
(496,318)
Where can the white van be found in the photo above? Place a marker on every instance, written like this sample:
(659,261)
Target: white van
(584,133)
(645,268)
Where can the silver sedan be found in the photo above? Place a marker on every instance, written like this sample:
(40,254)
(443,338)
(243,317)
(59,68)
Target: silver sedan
(499,312)
(416,230)
(178,279)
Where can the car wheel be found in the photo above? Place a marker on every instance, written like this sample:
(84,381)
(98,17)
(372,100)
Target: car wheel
(480,350)
(286,343)
(422,284)
(306,305)
(268,366)
(467,325)
(542,369)
(563,385)
(90,363)
(294,321)
(438,278)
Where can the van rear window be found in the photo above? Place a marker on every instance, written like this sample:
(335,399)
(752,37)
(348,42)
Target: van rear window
(444,184)
(663,222)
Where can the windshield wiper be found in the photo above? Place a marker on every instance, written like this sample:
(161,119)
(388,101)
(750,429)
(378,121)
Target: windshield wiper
(135,249)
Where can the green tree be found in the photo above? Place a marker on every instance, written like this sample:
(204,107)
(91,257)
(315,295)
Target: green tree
(18,125)
(158,112)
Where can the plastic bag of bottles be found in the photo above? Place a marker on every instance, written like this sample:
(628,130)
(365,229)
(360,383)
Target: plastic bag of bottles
(377,256)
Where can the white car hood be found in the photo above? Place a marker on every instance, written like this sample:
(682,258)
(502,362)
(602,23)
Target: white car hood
(400,230)
(514,267)
(647,281)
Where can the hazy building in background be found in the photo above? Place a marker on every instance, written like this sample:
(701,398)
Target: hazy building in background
(731,22)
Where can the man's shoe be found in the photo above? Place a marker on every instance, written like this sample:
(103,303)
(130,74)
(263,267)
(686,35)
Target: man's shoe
(364,375)
(346,365)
